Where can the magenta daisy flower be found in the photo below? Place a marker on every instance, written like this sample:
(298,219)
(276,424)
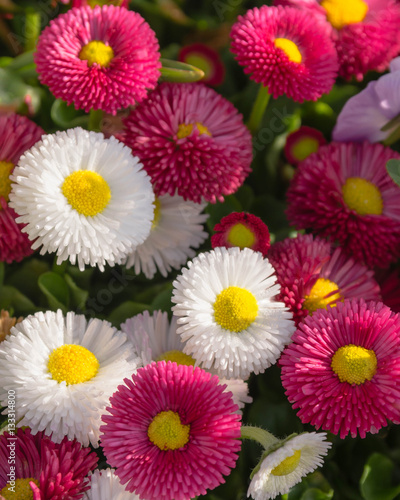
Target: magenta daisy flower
(191,141)
(301,143)
(286,50)
(103,58)
(207,59)
(17,134)
(342,369)
(345,193)
(173,433)
(43,470)
(313,276)
(242,230)
(365,32)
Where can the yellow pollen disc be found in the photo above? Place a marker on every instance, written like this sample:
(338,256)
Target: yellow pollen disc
(289,48)
(288,465)
(305,147)
(354,364)
(318,297)
(5,181)
(167,432)
(22,490)
(241,236)
(97,52)
(179,357)
(185,129)
(340,13)
(362,196)
(73,364)
(235,309)
(157,214)
(87,192)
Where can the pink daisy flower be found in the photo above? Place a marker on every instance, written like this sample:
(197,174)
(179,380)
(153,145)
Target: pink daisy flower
(17,134)
(172,432)
(191,141)
(365,32)
(345,193)
(240,229)
(103,58)
(313,276)
(301,143)
(205,58)
(288,51)
(342,369)
(52,471)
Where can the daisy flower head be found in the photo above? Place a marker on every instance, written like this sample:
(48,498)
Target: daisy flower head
(207,59)
(228,315)
(243,230)
(286,50)
(191,140)
(43,469)
(84,197)
(365,32)
(17,134)
(182,422)
(286,463)
(63,371)
(301,143)
(103,58)
(154,338)
(177,229)
(344,192)
(372,114)
(312,275)
(105,485)
(342,369)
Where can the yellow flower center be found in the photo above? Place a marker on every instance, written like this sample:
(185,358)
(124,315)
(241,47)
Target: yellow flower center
(73,364)
(288,465)
(321,295)
(87,192)
(157,214)
(241,236)
(21,490)
(289,48)
(97,52)
(354,364)
(185,129)
(235,309)
(340,13)
(167,432)
(362,196)
(179,357)
(304,148)
(5,181)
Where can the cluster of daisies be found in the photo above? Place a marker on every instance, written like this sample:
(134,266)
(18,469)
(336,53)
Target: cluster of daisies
(162,395)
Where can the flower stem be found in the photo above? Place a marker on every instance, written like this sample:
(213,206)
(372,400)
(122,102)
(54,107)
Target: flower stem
(265,438)
(95,118)
(258,110)
(32,29)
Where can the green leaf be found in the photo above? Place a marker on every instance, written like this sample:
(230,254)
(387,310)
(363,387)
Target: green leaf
(67,116)
(316,494)
(14,91)
(56,291)
(126,310)
(375,483)
(393,168)
(78,296)
(14,301)
(174,71)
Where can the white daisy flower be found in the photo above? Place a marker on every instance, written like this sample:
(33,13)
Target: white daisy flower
(63,371)
(105,485)
(227,312)
(154,338)
(288,464)
(83,196)
(177,229)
